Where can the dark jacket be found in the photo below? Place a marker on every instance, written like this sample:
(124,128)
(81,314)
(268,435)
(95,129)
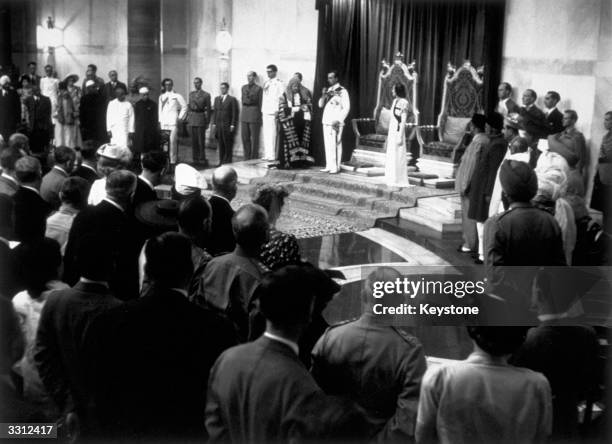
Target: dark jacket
(86,173)
(221,234)
(8,186)
(483,178)
(252,96)
(10,112)
(39,114)
(31,213)
(146,126)
(108,92)
(534,119)
(51,186)
(225,113)
(115,226)
(92,116)
(150,361)
(378,366)
(554,120)
(255,391)
(64,319)
(144,193)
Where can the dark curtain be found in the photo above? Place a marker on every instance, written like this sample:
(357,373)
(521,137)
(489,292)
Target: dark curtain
(355,35)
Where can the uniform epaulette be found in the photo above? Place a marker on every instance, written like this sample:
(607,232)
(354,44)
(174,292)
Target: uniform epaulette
(338,324)
(406,336)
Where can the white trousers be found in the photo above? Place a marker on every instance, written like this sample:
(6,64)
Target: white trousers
(269,136)
(173,148)
(333,147)
(480,231)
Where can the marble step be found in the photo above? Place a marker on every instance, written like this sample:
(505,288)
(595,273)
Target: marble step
(446,205)
(432,219)
(357,215)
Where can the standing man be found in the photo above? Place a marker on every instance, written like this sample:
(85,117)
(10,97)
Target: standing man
(146,123)
(172,108)
(109,89)
(199,117)
(250,118)
(90,74)
(225,119)
(570,141)
(92,114)
(120,119)
(273,90)
(336,105)
(49,87)
(506,105)
(554,118)
(31,76)
(10,108)
(40,126)
(531,116)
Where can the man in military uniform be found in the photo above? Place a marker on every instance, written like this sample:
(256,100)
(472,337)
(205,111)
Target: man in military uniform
(336,105)
(378,366)
(570,142)
(250,117)
(199,117)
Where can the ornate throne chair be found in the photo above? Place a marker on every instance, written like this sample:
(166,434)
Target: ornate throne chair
(371,133)
(462,97)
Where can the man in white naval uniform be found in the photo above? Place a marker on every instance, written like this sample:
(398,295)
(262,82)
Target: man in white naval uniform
(336,105)
(273,90)
(172,108)
(49,87)
(120,119)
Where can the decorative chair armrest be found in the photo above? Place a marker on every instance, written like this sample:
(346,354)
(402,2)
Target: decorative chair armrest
(422,131)
(363,126)
(410,130)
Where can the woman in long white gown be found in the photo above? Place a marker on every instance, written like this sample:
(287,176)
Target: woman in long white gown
(396,160)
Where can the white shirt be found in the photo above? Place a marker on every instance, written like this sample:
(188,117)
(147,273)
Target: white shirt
(273,89)
(120,121)
(172,107)
(337,107)
(292,345)
(114,204)
(91,281)
(11,178)
(502,108)
(147,181)
(49,87)
(31,188)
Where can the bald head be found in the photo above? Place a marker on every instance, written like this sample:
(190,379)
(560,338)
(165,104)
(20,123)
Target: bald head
(250,227)
(225,182)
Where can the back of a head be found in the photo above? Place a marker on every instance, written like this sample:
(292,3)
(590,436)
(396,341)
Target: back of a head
(192,214)
(28,170)
(375,281)
(94,257)
(120,184)
(265,194)
(287,296)
(250,227)
(89,149)
(169,261)
(225,180)
(8,157)
(154,161)
(74,192)
(518,180)
(20,142)
(519,145)
(63,155)
(498,341)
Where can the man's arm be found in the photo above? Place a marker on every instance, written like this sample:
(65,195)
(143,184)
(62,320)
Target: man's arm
(183,110)
(109,116)
(215,425)
(346,104)
(131,119)
(426,429)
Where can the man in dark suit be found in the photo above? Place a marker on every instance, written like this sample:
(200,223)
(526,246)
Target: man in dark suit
(225,186)
(31,211)
(52,182)
(39,122)
(554,117)
(153,164)
(8,180)
(91,74)
(31,76)
(225,121)
(108,92)
(88,168)
(10,108)
(250,117)
(8,276)
(506,105)
(532,116)
(146,123)
(111,220)
(64,320)
(199,117)
(92,114)
(257,388)
(152,356)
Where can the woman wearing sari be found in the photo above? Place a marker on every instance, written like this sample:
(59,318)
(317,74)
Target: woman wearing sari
(294,116)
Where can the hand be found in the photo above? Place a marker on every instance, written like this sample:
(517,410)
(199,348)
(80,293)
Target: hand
(336,125)
(73,427)
(232,128)
(324,91)
(109,133)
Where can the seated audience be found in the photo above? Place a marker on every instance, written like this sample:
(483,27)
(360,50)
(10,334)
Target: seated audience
(571,141)
(378,366)
(73,196)
(39,264)
(229,281)
(20,142)
(64,320)
(257,389)
(111,220)
(31,211)
(483,398)
(64,158)
(110,158)
(153,164)
(8,180)
(88,168)
(554,118)
(151,357)
(8,276)
(282,248)
(225,186)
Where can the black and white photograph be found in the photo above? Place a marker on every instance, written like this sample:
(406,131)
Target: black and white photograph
(306,221)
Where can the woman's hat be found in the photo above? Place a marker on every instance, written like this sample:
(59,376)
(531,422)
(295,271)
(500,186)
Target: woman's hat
(187,180)
(160,214)
(73,76)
